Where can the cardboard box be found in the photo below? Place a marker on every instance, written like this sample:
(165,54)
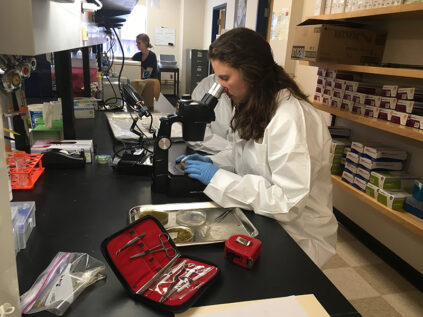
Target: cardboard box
(372,190)
(360,183)
(393,200)
(385,152)
(391,180)
(71,146)
(323,41)
(347,177)
(375,165)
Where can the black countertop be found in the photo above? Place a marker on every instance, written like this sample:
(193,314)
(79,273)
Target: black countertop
(77,208)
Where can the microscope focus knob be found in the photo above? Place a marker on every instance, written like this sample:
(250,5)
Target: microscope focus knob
(164,143)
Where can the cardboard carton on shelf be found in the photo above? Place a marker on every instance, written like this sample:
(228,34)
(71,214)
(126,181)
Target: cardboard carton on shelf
(326,41)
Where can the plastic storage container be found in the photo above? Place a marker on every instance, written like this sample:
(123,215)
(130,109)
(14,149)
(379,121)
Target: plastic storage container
(23,221)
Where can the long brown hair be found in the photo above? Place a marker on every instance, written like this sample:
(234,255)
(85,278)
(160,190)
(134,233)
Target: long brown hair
(249,53)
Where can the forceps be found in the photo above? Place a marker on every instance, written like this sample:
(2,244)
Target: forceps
(131,242)
(163,238)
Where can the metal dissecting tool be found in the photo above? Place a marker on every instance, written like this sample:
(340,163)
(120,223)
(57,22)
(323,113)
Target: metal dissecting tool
(131,242)
(163,238)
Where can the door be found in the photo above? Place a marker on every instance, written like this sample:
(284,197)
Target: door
(219,21)
(264,9)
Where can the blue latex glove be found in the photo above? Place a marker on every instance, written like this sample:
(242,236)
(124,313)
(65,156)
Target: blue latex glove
(193,157)
(202,171)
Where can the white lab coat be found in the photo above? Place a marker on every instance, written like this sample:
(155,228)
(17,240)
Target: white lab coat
(285,176)
(218,131)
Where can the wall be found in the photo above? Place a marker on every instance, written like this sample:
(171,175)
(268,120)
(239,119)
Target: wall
(401,40)
(281,47)
(192,29)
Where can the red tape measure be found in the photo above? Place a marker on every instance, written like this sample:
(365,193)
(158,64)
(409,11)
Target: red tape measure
(242,250)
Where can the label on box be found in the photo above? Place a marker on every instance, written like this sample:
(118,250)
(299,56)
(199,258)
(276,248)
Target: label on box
(406,93)
(391,180)
(347,105)
(347,177)
(351,85)
(415,121)
(336,102)
(388,102)
(385,114)
(359,109)
(319,88)
(372,190)
(377,152)
(326,99)
(365,174)
(360,183)
(390,90)
(353,157)
(348,95)
(359,97)
(351,167)
(371,111)
(372,100)
(393,200)
(340,84)
(373,165)
(399,117)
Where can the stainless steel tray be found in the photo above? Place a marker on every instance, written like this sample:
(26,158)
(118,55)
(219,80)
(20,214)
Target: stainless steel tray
(207,230)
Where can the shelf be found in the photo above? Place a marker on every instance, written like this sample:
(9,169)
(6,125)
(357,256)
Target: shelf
(409,11)
(403,218)
(390,71)
(408,132)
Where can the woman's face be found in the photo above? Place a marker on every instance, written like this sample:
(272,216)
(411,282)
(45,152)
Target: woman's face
(141,45)
(231,79)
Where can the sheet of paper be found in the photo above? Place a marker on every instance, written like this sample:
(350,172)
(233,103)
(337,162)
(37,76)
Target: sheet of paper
(164,36)
(120,123)
(275,307)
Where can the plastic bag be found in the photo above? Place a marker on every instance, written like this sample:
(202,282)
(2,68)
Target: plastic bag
(62,282)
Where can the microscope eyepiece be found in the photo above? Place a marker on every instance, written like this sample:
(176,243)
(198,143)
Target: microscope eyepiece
(216,90)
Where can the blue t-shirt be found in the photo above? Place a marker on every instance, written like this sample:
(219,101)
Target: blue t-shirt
(150,61)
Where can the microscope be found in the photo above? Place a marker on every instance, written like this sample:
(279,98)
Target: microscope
(194,116)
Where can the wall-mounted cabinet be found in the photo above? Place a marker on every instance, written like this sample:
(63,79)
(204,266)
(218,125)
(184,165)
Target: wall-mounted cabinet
(34,27)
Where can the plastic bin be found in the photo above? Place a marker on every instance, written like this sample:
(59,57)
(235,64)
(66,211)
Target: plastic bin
(23,221)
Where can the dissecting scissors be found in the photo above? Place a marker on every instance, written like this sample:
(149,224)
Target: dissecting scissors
(163,238)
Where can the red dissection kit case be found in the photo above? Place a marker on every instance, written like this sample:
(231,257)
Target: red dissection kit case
(151,269)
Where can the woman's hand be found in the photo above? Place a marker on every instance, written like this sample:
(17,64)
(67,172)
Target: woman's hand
(193,157)
(200,170)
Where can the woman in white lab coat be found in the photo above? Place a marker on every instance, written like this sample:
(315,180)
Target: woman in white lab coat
(278,164)
(218,132)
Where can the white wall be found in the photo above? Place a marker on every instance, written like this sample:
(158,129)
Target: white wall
(192,29)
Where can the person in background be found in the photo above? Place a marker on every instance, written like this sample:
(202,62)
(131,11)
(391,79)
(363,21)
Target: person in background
(147,58)
(278,163)
(218,132)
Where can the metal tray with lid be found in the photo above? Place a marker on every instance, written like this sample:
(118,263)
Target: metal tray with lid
(197,223)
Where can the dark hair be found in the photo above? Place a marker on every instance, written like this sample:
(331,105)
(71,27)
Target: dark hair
(144,38)
(249,53)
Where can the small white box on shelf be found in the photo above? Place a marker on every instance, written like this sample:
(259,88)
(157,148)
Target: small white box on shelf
(372,190)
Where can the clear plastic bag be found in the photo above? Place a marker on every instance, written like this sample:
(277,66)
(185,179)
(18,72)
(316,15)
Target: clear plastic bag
(61,283)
